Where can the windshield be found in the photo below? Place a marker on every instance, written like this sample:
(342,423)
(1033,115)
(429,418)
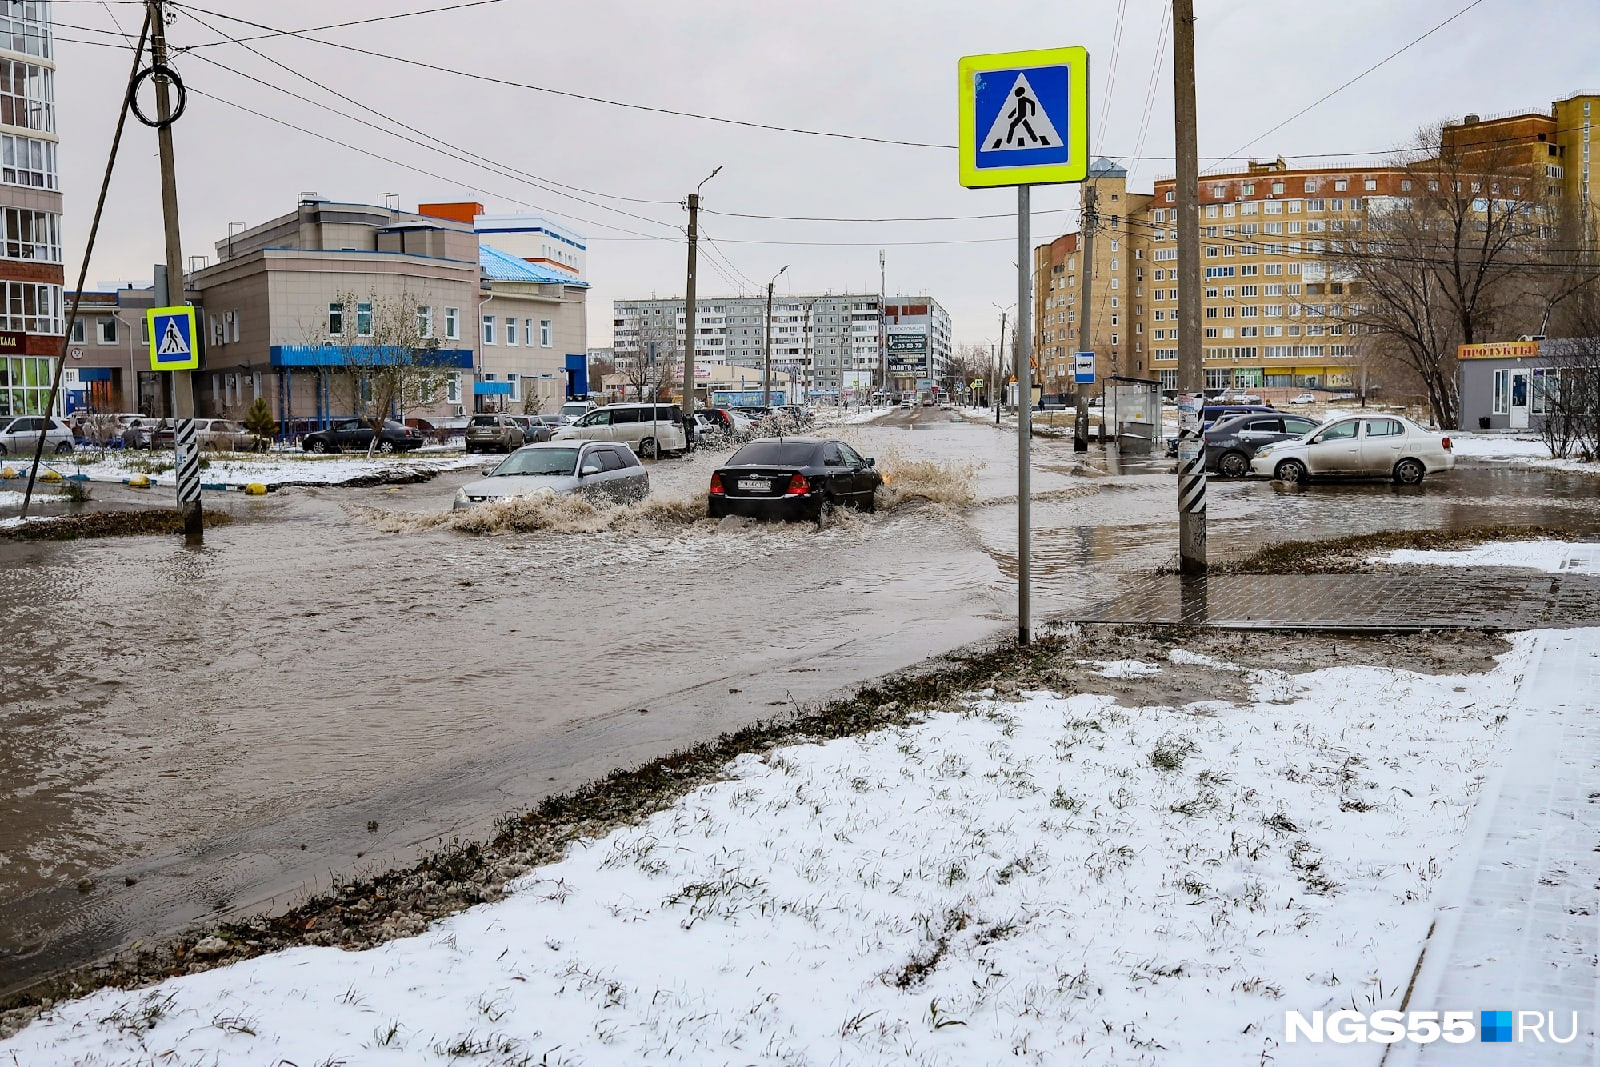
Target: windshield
(574,409)
(486,420)
(538,461)
(775,453)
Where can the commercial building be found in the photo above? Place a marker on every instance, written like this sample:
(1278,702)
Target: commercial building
(831,342)
(31,311)
(1276,310)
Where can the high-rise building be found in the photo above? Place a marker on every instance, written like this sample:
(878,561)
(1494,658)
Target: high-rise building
(831,341)
(1276,309)
(31,317)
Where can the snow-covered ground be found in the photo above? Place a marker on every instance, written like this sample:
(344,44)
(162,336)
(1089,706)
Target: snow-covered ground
(1551,556)
(1042,879)
(270,468)
(828,416)
(1526,451)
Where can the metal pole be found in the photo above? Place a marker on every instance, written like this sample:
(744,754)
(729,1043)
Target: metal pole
(1191,376)
(186,455)
(688,305)
(1024,419)
(883,330)
(766,371)
(1080,421)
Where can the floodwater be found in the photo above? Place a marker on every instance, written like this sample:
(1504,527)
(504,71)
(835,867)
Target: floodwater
(195,732)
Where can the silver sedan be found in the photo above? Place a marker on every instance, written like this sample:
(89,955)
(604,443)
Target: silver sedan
(561,468)
(1358,446)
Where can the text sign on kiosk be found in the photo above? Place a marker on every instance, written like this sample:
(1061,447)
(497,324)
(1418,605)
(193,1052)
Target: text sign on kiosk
(172,340)
(1024,117)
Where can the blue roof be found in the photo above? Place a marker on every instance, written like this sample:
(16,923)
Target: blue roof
(501,266)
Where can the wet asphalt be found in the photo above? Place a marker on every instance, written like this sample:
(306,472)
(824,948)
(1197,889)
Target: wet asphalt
(191,733)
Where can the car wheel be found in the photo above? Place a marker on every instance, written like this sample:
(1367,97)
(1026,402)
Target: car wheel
(648,448)
(63,447)
(825,513)
(3,450)
(1409,472)
(385,446)
(317,445)
(1291,471)
(870,505)
(1233,465)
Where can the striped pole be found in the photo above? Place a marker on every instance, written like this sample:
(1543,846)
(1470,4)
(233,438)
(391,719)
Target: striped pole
(187,462)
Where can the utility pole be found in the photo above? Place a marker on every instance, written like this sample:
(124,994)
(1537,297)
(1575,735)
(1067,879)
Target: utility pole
(688,297)
(1024,338)
(1000,369)
(766,374)
(883,330)
(186,454)
(1191,375)
(1080,421)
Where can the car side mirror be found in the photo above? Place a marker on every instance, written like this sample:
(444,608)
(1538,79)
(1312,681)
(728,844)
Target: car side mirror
(589,467)
(871,462)
(490,469)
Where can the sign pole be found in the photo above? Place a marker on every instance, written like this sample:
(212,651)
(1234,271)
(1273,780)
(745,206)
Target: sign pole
(186,457)
(1024,336)
(1191,376)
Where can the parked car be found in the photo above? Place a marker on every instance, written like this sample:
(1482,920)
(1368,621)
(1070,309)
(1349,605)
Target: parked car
(905,403)
(729,424)
(1361,446)
(1211,414)
(649,429)
(533,431)
(553,468)
(492,432)
(138,430)
(19,435)
(356,434)
(1232,442)
(1304,398)
(439,429)
(793,478)
(573,410)
(797,414)
(1242,398)
(210,435)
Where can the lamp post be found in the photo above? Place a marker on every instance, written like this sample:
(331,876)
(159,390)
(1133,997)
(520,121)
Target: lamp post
(766,374)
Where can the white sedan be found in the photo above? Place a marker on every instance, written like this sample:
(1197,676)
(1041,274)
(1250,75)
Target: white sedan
(1304,398)
(1358,446)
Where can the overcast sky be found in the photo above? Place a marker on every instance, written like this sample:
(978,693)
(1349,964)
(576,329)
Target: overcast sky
(879,68)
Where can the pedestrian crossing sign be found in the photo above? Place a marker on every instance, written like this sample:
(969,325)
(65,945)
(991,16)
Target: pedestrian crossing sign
(172,341)
(1024,117)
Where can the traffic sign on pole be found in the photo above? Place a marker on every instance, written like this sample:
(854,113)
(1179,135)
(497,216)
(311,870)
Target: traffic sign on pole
(1024,117)
(172,344)
(1083,368)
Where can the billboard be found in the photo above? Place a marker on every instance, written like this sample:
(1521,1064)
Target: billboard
(904,339)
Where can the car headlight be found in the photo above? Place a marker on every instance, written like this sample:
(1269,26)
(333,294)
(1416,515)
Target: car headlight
(1263,451)
(462,499)
(544,492)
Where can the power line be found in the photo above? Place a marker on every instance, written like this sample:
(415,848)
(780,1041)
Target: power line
(345,25)
(1323,99)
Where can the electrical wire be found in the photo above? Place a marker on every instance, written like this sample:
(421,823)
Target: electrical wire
(462,5)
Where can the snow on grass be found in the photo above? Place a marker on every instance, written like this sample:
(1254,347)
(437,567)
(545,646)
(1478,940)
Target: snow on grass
(1048,880)
(1183,657)
(270,468)
(1513,450)
(1543,555)
(1122,668)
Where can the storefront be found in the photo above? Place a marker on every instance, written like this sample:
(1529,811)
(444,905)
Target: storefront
(25,384)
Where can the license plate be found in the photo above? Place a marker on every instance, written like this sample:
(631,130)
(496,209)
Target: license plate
(754,485)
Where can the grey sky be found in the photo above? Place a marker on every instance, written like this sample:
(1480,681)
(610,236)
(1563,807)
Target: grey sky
(883,68)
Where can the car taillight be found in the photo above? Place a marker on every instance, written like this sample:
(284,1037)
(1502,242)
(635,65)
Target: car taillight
(798,486)
(1446,444)
(716,484)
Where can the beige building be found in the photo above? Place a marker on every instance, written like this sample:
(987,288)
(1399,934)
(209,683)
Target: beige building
(1275,310)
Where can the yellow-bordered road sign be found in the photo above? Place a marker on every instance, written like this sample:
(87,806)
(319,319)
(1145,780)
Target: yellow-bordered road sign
(172,339)
(1024,117)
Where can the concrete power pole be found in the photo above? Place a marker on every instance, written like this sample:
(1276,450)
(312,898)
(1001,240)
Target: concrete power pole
(1191,376)
(883,330)
(688,297)
(1080,421)
(186,454)
(766,374)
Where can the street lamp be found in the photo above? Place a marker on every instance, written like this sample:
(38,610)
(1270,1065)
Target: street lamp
(766,375)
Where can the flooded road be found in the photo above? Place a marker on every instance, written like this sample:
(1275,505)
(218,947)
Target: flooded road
(203,732)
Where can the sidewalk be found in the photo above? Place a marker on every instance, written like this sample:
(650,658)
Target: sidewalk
(1518,926)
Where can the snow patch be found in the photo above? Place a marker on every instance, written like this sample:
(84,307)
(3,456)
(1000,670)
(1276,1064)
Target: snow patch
(1542,555)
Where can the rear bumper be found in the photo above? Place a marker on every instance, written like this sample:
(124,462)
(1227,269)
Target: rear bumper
(782,508)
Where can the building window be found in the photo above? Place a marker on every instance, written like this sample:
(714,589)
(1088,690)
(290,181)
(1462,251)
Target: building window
(1340,185)
(363,320)
(1277,188)
(424,321)
(516,385)
(511,330)
(28,161)
(547,338)
(32,308)
(34,235)
(335,320)
(107,331)
(527,330)
(488,329)
(452,388)
(27,95)
(1502,392)
(77,331)
(1371,185)
(452,324)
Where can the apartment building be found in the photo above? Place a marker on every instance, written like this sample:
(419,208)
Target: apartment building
(1275,311)
(833,342)
(31,311)
(533,238)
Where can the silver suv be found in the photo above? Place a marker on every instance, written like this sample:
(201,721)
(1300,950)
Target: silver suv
(493,433)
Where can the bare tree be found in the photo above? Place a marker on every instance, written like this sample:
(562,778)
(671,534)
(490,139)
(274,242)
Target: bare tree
(968,363)
(1448,260)
(655,367)
(599,371)
(388,361)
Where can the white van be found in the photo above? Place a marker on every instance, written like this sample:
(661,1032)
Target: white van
(648,429)
(573,410)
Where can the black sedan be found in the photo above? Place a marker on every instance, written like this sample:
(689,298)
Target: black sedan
(793,478)
(1232,442)
(357,434)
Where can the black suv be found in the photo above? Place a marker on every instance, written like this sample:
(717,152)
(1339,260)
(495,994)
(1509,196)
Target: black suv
(357,434)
